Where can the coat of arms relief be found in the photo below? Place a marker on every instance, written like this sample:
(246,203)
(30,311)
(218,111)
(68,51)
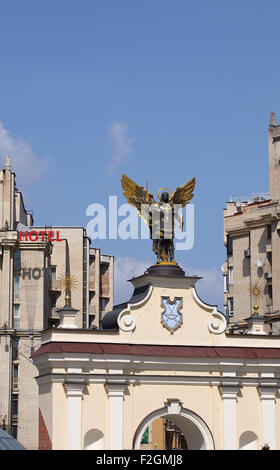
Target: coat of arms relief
(172,316)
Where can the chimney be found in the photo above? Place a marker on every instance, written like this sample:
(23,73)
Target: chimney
(8,163)
(274,158)
(272,122)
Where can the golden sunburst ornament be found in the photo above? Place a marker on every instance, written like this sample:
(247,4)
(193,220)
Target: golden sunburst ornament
(68,283)
(256,292)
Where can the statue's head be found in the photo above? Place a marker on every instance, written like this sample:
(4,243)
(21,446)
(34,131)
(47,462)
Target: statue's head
(164,197)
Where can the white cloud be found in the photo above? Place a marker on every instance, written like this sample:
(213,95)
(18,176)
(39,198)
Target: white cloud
(121,143)
(27,165)
(209,288)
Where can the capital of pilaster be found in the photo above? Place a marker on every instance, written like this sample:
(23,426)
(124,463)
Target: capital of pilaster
(267,392)
(115,389)
(229,391)
(74,388)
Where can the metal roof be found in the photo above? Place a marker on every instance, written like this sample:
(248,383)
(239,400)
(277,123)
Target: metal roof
(8,442)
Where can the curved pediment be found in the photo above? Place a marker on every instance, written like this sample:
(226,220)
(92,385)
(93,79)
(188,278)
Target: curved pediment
(165,310)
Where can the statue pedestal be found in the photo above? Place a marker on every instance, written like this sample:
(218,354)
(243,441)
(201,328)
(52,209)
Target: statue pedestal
(168,269)
(165,304)
(256,324)
(68,317)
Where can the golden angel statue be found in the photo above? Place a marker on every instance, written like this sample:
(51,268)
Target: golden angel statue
(161,216)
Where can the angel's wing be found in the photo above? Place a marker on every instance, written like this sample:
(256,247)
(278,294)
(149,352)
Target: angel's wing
(183,194)
(136,195)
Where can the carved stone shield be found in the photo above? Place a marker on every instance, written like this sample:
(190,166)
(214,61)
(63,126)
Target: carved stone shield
(171,317)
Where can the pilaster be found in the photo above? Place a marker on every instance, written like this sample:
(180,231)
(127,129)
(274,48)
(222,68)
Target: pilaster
(115,393)
(267,394)
(74,393)
(229,396)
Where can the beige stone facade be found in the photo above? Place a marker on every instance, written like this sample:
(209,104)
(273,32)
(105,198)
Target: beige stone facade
(251,229)
(31,295)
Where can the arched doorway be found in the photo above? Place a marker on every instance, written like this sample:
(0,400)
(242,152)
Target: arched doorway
(195,431)
(163,434)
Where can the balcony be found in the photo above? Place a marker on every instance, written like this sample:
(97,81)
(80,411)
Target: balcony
(92,310)
(91,282)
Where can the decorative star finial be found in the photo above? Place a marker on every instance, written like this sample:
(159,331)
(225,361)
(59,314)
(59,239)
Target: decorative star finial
(256,292)
(68,283)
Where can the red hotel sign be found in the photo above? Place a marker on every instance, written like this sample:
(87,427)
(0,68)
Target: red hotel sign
(47,235)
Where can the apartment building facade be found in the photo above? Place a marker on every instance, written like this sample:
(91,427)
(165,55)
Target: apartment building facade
(252,240)
(33,261)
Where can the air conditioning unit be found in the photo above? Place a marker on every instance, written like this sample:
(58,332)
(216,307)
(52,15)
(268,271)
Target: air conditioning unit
(247,253)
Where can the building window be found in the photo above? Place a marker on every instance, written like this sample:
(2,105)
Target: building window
(14,413)
(16,316)
(229,245)
(16,286)
(14,406)
(53,273)
(268,232)
(14,430)
(16,311)
(17,264)
(269,291)
(225,283)
(230,275)
(103,303)
(269,258)
(15,375)
(15,349)
(230,307)
(53,300)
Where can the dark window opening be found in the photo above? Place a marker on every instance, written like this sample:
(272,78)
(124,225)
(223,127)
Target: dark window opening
(17,264)
(53,273)
(15,375)
(14,406)
(53,300)
(15,349)
(229,245)
(103,303)
(230,307)
(14,430)
(268,232)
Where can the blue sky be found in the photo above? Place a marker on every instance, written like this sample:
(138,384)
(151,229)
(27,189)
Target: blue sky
(155,89)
